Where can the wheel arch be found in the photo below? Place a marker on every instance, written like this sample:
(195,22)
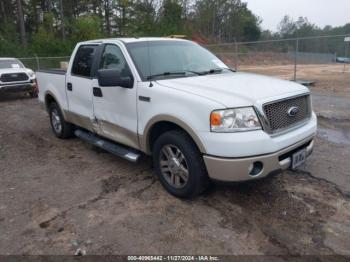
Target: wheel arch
(49,98)
(163,123)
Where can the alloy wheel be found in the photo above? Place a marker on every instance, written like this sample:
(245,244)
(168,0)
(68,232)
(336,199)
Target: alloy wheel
(173,166)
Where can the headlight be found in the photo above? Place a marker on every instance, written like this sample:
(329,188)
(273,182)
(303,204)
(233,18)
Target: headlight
(234,120)
(31,74)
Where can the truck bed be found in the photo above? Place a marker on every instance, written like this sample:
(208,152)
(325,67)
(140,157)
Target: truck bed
(53,82)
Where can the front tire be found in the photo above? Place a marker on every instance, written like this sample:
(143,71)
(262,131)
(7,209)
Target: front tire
(60,127)
(179,165)
(33,94)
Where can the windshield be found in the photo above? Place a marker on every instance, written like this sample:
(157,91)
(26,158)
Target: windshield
(170,59)
(10,63)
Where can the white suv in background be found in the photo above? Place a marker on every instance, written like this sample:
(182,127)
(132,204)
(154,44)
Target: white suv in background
(14,77)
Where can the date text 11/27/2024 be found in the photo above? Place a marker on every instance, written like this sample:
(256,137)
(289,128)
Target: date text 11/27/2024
(173,258)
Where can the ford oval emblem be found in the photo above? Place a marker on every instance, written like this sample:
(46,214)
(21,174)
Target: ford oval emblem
(293,111)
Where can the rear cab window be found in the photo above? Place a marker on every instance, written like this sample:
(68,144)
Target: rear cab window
(83,61)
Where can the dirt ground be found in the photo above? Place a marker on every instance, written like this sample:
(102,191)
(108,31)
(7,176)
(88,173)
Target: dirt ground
(330,78)
(58,196)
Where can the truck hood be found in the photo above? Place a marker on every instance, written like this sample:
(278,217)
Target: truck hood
(236,89)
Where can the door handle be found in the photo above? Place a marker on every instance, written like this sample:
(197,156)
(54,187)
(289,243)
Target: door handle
(145,98)
(69,86)
(97,92)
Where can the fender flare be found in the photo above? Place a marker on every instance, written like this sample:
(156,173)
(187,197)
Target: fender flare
(145,138)
(49,93)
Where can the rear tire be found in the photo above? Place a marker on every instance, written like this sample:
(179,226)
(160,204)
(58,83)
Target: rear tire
(60,127)
(179,165)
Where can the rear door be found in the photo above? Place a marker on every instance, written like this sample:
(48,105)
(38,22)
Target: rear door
(79,86)
(115,107)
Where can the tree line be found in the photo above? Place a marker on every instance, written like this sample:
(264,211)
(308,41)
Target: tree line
(301,28)
(52,27)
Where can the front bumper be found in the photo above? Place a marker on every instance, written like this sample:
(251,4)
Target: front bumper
(237,169)
(18,88)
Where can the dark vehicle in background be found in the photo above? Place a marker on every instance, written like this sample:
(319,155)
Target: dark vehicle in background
(15,78)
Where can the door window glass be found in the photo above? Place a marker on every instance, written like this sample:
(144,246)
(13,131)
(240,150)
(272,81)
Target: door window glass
(83,61)
(113,58)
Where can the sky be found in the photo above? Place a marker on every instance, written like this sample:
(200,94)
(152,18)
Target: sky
(319,12)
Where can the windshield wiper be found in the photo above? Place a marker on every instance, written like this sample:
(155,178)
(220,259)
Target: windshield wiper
(175,73)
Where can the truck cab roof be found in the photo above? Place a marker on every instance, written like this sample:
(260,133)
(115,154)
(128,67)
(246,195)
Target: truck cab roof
(7,58)
(131,40)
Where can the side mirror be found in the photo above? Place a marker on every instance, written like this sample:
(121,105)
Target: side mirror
(112,77)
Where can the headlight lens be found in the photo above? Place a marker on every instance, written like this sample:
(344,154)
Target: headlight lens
(31,74)
(234,120)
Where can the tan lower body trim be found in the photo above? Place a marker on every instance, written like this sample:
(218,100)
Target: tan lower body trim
(79,120)
(119,134)
(105,129)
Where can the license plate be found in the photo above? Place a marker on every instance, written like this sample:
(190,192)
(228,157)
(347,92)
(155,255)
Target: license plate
(298,159)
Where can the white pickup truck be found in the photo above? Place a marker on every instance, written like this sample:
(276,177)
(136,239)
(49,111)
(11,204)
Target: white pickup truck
(174,100)
(14,77)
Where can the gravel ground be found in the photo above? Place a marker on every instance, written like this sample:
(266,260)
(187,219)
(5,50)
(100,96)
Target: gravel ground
(58,196)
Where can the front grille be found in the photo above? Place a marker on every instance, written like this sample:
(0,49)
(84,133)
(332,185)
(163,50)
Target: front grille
(14,77)
(280,117)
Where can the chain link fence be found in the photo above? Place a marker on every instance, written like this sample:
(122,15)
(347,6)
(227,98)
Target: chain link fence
(287,58)
(288,54)
(322,61)
(36,63)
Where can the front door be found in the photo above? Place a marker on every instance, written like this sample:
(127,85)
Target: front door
(115,107)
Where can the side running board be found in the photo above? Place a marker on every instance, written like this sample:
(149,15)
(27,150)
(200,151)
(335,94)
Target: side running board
(118,150)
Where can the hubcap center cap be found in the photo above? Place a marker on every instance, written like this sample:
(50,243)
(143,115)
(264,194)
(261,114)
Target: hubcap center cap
(174,164)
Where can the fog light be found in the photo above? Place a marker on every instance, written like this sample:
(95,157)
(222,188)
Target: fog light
(255,168)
